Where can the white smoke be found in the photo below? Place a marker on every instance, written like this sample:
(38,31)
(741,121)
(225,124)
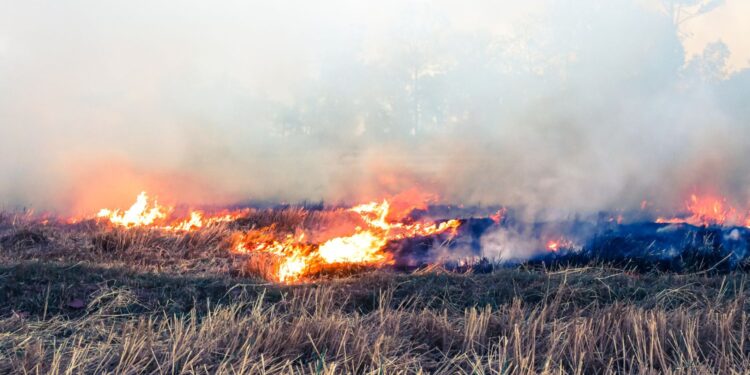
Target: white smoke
(552,105)
(508,244)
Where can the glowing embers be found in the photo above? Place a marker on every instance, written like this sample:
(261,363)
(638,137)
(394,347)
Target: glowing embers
(560,244)
(366,246)
(709,210)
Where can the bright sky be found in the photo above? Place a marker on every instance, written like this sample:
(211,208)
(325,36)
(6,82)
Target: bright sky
(728,23)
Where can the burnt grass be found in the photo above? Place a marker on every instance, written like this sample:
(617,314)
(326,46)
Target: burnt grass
(103,300)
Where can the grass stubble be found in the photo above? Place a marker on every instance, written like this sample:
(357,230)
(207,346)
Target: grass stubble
(92,299)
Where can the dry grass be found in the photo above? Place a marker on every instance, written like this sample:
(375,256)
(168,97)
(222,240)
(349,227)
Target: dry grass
(99,300)
(311,331)
(22,236)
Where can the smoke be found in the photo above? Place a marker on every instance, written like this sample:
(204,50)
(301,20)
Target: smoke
(553,106)
(506,244)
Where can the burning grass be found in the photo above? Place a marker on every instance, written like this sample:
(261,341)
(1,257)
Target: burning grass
(99,297)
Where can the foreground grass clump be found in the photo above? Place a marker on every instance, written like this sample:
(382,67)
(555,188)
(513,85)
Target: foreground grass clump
(589,320)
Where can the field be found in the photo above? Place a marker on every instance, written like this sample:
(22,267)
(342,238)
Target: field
(87,298)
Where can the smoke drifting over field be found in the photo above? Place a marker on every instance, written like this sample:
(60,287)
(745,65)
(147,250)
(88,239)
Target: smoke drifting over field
(553,106)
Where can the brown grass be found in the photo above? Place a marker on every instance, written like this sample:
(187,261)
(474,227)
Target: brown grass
(92,299)
(311,332)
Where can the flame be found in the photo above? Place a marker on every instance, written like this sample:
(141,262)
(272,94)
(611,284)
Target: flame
(297,257)
(561,243)
(553,245)
(139,214)
(709,210)
(193,223)
(358,248)
(366,246)
(367,231)
(143,214)
(498,215)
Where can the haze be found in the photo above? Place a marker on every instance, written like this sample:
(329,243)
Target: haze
(572,106)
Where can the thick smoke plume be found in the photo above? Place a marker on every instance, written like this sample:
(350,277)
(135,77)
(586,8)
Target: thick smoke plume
(554,107)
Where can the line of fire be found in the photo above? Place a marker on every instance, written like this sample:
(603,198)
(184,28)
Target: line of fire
(408,232)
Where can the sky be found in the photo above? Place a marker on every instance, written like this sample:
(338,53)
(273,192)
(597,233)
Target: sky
(727,23)
(571,105)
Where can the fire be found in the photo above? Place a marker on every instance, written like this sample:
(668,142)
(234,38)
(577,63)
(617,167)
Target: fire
(561,243)
(358,248)
(365,246)
(553,245)
(498,215)
(139,214)
(156,216)
(194,222)
(709,210)
(294,253)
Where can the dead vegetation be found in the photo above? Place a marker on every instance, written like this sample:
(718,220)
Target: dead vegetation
(92,299)
(326,330)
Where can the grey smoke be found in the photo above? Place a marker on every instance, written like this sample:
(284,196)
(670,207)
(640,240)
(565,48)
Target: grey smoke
(573,107)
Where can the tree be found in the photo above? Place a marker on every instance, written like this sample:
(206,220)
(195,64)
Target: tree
(682,11)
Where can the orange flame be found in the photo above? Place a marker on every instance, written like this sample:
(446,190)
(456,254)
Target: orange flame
(498,215)
(139,214)
(365,246)
(561,243)
(553,245)
(709,210)
(143,214)
(362,247)
(297,258)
